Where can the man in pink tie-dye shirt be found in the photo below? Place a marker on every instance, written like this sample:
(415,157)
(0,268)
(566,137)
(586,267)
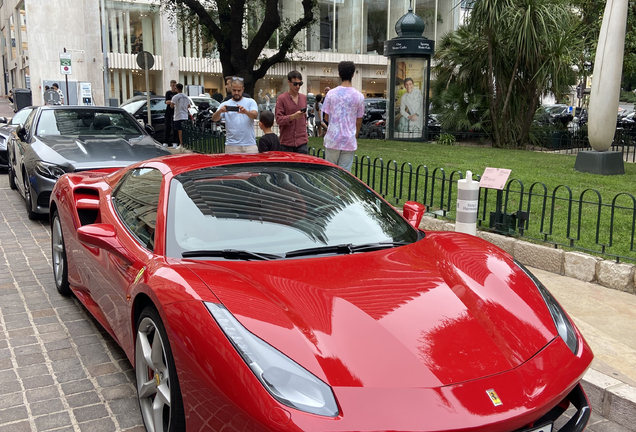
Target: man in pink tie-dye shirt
(343,109)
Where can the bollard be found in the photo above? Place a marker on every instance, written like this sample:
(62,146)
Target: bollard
(467,204)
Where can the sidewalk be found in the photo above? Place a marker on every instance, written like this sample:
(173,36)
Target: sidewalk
(607,319)
(6,109)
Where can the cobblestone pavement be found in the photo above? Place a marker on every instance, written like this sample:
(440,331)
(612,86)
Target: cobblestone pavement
(59,370)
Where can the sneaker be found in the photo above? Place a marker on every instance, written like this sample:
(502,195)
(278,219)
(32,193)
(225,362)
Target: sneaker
(175,145)
(165,144)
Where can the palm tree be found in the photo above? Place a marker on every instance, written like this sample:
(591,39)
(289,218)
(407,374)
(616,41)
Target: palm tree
(512,51)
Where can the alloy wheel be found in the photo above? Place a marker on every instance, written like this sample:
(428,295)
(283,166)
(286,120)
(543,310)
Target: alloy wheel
(153,377)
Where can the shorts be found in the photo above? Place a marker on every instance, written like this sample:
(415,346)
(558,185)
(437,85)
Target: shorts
(232,149)
(178,124)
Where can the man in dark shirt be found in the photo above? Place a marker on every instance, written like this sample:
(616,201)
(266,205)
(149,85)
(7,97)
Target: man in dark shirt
(168,137)
(291,116)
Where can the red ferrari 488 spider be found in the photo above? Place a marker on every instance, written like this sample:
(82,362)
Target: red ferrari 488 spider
(277,292)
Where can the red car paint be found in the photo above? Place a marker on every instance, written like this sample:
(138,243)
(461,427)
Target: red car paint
(409,339)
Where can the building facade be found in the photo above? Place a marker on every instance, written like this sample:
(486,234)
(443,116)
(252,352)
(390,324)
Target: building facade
(35,32)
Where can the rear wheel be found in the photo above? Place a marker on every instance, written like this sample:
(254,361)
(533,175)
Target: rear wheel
(12,184)
(157,383)
(58,253)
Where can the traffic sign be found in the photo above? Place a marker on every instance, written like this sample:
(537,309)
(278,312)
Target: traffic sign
(65,63)
(145,60)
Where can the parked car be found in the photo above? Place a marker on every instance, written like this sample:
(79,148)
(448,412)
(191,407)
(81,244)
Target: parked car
(374,109)
(282,292)
(137,107)
(204,102)
(6,128)
(55,140)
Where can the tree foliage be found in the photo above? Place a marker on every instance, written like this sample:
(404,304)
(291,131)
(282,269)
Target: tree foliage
(224,22)
(512,52)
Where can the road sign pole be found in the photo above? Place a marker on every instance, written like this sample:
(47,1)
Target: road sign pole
(147,89)
(68,102)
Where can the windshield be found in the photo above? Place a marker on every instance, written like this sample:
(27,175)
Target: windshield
(21,116)
(276,208)
(75,122)
(133,106)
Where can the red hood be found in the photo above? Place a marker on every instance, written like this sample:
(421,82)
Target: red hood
(447,309)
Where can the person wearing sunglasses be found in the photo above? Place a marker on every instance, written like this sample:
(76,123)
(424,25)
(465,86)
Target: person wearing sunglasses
(239,114)
(291,116)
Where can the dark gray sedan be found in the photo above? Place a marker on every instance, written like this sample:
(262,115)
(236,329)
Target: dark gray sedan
(55,140)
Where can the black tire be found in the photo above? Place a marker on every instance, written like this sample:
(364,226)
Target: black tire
(58,257)
(150,330)
(28,197)
(11,174)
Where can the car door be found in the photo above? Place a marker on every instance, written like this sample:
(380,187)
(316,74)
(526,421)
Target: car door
(20,151)
(135,201)
(157,116)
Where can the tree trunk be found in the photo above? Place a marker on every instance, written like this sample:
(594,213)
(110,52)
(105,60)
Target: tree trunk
(524,136)
(494,115)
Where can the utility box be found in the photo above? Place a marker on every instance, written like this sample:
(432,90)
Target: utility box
(113,102)
(21,98)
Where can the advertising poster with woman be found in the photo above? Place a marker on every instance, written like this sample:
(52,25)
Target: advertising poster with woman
(410,92)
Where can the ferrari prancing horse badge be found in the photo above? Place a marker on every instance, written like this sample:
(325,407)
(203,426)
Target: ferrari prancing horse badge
(492,394)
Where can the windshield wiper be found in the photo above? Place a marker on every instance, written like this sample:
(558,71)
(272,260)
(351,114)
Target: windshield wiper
(343,249)
(231,254)
(377,246)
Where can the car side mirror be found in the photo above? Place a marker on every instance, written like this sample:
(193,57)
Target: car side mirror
(413,212)
(149,129)
(103,236)
(21,132)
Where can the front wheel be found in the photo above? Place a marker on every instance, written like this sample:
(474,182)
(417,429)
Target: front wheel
(28,198)
(58,253)
(157,383)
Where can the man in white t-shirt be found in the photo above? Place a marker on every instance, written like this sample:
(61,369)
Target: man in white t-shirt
(180,103)
(239,114)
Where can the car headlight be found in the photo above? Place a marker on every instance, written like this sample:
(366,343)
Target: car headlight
(284,379)
(49,170)
(563,325)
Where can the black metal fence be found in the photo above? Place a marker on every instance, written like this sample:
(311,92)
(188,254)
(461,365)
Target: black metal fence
(202,140)
(586,221)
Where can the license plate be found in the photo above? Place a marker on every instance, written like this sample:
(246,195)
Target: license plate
(544,428)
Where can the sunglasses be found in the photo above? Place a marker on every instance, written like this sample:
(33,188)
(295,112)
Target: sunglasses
(237,79)
(299,83)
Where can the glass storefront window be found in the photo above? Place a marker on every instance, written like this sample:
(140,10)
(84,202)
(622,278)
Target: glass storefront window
(425,9)
(133,27)
(23,30)
(12,36)
(376,31)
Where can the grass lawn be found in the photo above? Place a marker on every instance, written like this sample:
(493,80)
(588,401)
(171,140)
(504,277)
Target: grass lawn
(560,222)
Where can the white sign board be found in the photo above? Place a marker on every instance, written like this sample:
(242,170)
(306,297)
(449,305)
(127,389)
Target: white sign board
(494,178)
(65,63)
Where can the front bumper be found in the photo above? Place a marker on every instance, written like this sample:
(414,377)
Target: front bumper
(41,188)
(578,421)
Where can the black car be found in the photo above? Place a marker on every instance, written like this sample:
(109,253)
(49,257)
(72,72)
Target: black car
(374,109)
(5,132)
(55,140)
(137,106)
